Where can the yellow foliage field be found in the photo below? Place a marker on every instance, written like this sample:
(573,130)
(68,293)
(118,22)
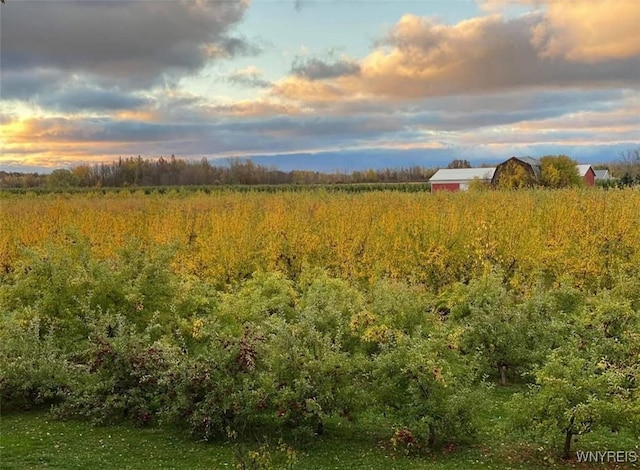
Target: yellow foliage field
(433,239)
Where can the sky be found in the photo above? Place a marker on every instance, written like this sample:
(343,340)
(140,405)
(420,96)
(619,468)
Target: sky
(317,84)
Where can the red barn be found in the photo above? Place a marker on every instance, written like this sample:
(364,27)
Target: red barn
(588,174)
(458,179)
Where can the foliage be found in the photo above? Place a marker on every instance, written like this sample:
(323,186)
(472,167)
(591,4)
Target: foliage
(62,179)
(479,185)
(124,378)
(590,380)
(173,171)
(505,339)
(396,309)
(286,368)
(427,239)
(628,164)
(137,284)
(256,299)
(312,378)
(426,386)
(515,176)
(294,315)
(219,390)
(457,163)
(575,394)
(328,304)
(559,171)
(33,371)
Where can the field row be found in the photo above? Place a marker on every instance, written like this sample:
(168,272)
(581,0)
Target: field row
(420,238)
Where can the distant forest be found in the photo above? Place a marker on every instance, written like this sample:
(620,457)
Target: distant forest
(172,171)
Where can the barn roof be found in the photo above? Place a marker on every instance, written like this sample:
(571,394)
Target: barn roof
(462,174)
(583,169)
(602,174)
(529,160)
(532,162)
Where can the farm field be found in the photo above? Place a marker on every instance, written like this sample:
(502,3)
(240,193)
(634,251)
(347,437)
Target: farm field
(493,329)
(421,238)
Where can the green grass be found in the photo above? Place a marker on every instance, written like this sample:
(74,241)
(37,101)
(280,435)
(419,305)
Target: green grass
(32,440)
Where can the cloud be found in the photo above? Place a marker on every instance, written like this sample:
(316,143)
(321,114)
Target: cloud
(132,42)
(252,108)
(483,87)
(105,129)
(473,112)
(589,31)
(250,76)
(478,55)
(53,90)
(111,136)
(26,84)
(309,91)
(77,99)
(318,81)
(186,125)
(317,69)
(421,58)
(582,30)
(494,6)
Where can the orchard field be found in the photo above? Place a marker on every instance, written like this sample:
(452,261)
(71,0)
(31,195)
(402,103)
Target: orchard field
(447,323)
(431,240)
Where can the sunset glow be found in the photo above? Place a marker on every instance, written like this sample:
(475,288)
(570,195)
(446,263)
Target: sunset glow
(425,82)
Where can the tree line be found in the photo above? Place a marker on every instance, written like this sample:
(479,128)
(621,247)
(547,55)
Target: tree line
(173,171)
(558,171)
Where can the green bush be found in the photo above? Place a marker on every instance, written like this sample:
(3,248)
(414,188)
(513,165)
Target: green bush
(256,299)
(67,288)
(220,389)
(312,377)
(428,389)
(127,339)
(574,395)
(506,335)
(591,378)
(328,305)
(33,371)
(400,307)
(125,378)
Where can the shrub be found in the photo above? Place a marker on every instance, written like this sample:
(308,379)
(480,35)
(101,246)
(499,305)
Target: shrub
(220,389)
(80,288)
(328,304)
(256,299)
(33,372)
(125,379)
(573,395)
(427,388)
(312,377)
(489,326)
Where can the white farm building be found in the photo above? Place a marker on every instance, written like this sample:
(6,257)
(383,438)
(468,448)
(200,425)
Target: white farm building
(458,179)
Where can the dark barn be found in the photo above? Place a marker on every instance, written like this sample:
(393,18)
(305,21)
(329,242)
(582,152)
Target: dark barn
(530,165)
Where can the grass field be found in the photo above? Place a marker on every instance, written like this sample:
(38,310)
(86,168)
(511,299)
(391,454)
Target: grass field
(34,440)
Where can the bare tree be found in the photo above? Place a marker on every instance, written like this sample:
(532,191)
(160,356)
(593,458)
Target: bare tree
(459,164)
(628,164)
